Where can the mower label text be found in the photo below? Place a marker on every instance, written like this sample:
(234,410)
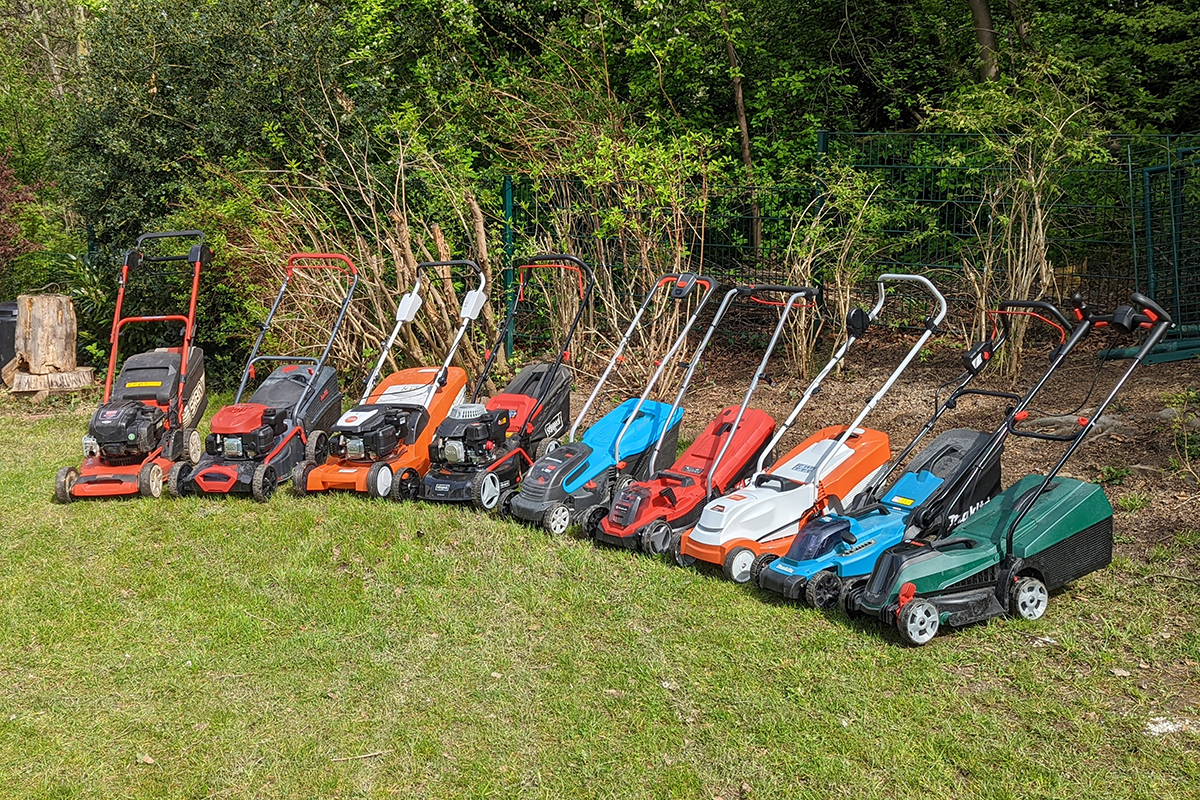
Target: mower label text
(957,518)
(554,425)
(142,384)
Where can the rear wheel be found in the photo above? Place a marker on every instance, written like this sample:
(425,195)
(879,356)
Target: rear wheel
(621,485)
(823,590)
(64,482)
(504,507)
(485,490)
(759,564)
(556,519)
(592,525)
(1028,599)
(545,446)
(150,480)
(918,622)
(737,564)
(680,558)
(379,480)
(300,474)
(405,485)
(656,538)
(264,483)
(316,449)
(177,478)
(193,446)
(847,601)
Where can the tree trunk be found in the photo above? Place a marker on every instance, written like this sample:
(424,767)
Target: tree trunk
(46,330)
(743,128)
(1018,16)
(985,34)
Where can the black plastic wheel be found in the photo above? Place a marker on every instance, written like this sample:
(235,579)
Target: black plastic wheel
(823,590)
(316,449)
(656,538)
(264,483)
(406,485)
(759,565)
(594,517)
(379,480)
(300,474)
(737,564)
(677,556)
(504,507)
(544,446)
(177,478)
(847,601)
(63,483)
(150,480)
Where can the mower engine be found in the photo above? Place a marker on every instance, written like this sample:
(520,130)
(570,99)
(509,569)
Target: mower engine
(250,444)
(124,430)
(471,435)
(369,432)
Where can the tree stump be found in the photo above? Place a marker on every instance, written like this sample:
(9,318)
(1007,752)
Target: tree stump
(46,330)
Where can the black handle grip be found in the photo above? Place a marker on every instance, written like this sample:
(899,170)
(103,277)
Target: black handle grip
(145,237)
(762,288)
(1149,305)
(463,262)
(1038,305)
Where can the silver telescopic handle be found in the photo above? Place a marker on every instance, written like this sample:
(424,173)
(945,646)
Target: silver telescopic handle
(387,348)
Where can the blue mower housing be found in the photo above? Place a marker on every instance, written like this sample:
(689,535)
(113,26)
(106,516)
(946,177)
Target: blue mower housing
(835,550)
(567,483)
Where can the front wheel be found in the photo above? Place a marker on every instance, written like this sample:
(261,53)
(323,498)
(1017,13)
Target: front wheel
(556,519)
(193,446)
(316,448)
(379,480)
(680,558)
(592,525)
(485,490)
(405,485)
(847,602)
(737,564)
(177,478)
(150,480)
(823,590)
(300,474)
(64,482)
(758,565)
(264,483)
(1028,599)
(545,446)
(918,622)
(656,538)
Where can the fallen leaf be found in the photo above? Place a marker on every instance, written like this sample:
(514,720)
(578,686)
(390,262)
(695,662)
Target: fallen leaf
(1121,673)
(199,726)
(497,675)
(145,759)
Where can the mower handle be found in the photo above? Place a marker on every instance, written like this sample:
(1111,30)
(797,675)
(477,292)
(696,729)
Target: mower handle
(462,262)
(293,262)
(1148,305)
(896,277)
(549,260)
(762,288)
(1037,305)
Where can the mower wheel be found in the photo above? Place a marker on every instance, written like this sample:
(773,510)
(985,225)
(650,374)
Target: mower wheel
(264,483)
(823,590)
(623,483)
(300,478)
(737,564)
(656,538)
(150,480)
(177,478)
(844,602)
(504,507)
(1028,599)
(193,446)
(63,483)
(556,519)
(485,490)
(595,516)
(406,485)
(379,480)
(680,558)
(316,449)
(918,622)
(545,446)
(759,564)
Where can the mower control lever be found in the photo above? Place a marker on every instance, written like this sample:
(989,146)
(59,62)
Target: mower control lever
(1149,305)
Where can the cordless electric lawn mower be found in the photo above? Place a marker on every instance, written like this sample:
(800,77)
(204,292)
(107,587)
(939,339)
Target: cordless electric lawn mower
(647,513)
(831,552)
(147,419)
(576,482)
(381,446)
(254,446)
(1028,541)
(839,461)
(480,454)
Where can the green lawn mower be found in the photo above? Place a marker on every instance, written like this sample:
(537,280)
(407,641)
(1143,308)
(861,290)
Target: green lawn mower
(1030,540)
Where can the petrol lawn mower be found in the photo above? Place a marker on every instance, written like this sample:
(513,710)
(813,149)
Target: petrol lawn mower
(1028,541)
(647,513)
(147,419)
(576,482)
(381,446)
(840,461)
(254,446)
(831,552)
(481,452)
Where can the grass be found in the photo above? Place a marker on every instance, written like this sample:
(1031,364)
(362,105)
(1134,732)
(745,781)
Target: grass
(224,648)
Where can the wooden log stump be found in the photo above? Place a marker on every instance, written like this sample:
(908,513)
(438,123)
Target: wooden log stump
(46,331)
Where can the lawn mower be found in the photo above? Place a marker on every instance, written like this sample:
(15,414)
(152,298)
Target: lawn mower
(254,446)
(147,419)
(575,482)
(1028,541)
(647,513)
(381,446)
(831,552)
(481,452)
(840,461)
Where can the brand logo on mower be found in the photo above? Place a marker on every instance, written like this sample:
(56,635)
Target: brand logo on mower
(954,519)
(192,409)
(555,425)
(442,487)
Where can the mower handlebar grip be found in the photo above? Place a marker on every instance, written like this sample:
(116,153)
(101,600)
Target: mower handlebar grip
(1146,304)
(806,291)
(1038,305)
(462,262)
(293,262)
(146,237)
(554,258)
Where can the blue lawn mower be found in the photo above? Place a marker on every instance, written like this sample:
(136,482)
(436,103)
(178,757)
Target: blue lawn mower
(575,483)
(946,482)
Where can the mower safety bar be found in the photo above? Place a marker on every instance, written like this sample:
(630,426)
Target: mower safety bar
(347,266)
(553,261)
(1037,305)
(1146,304)
(121,323)
(803,291)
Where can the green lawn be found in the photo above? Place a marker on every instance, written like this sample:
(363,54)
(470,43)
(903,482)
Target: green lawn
(222,648)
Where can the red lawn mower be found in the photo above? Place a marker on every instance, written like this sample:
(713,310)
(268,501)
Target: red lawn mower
(646,514)
(147,419)
(254,445)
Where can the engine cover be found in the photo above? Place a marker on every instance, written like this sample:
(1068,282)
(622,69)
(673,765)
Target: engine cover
(127,428)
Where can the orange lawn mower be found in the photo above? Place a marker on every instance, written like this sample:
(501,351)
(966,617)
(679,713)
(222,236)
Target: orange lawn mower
(381,446)
(255,444)
(146,422)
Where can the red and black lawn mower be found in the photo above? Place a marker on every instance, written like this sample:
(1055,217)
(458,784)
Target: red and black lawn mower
(647,513)
(254,445)
(147,419)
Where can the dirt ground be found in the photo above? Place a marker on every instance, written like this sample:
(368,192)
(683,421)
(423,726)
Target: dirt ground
(1141,443)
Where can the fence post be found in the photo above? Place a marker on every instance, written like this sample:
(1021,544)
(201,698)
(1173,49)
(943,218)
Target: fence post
(508,258)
